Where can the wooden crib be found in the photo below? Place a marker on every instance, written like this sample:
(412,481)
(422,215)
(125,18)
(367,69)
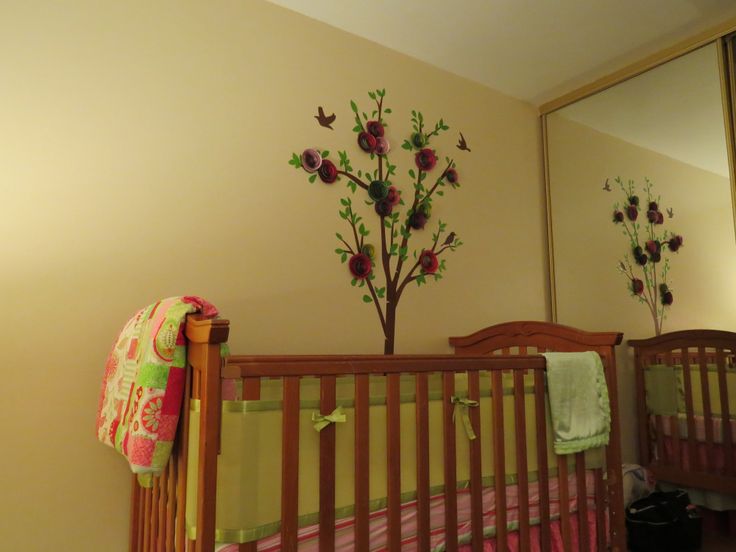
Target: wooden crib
(686,388)
(504,351)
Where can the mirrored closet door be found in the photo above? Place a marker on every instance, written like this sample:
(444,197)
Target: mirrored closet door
(666,126)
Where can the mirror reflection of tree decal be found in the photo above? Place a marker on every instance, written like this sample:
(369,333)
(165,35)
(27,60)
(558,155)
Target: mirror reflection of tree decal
(646,266)
(389,259)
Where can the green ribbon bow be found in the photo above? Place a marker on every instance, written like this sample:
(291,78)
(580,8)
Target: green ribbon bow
(464,404)
(321,421)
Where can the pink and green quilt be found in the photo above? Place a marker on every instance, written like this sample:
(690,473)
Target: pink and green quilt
(143,384)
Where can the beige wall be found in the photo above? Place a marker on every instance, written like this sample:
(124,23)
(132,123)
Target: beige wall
(143,154)
(591,293)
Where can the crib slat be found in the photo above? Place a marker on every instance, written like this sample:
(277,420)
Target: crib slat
(162,500)
(134,514)
(675,435)
(582,499)
(147,519)
(689,410)
(156,487)
(181,468)
(499,459)
(141,516)
(522,471)
(251,389)
(448,390)
(564,490)
(725,412)
(290,464)
(476,481)
(327,440)
(545,537)
(362,473)
(659,439)
(393,459)
(600,509)
(422,418)
(707,410)
(171,505)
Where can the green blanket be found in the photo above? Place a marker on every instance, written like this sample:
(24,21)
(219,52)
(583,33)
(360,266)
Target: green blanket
(578,400)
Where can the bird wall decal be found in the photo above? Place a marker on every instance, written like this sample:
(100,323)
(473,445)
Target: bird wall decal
(607,186)
(323,119)
(450,239)
(462,144)
(670,212)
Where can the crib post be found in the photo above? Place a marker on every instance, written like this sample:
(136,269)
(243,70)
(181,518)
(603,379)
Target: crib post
(204,337)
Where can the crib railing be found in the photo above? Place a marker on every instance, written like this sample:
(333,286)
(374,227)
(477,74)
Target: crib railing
(157,520)
(693,351)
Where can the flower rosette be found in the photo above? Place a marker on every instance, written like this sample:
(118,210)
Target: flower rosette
(382,146)
(327,171)
(428,262)
(451,176)
(377,190)
(360,266)
(311,160)
(425,159)
(383,208)
(393,195)
(375,128)
(367,142)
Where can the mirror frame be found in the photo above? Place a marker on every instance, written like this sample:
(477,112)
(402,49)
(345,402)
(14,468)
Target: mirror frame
(725,39)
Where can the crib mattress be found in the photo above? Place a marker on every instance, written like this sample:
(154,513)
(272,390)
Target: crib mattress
(309,536)
(249,466)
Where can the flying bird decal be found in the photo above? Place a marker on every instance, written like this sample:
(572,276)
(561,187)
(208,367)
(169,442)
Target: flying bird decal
(323,119)
(462,144)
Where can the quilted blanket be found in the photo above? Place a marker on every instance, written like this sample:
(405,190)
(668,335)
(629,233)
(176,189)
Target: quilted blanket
(143,384)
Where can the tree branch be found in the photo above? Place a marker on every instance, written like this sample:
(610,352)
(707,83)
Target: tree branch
(355,179)
(350,249)
(377,304)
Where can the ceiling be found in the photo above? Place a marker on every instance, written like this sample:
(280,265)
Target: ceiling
(534,50)
(674,109)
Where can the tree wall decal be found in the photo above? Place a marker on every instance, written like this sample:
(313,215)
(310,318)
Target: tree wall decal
(648,248)
(389,261)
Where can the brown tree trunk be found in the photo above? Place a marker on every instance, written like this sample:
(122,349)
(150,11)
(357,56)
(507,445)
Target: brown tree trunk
(388,347)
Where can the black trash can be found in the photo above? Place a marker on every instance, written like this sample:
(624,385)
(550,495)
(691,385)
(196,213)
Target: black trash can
(664,522)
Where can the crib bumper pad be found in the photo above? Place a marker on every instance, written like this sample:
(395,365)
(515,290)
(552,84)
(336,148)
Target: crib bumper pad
(143,383)
(249,466)
(578,400)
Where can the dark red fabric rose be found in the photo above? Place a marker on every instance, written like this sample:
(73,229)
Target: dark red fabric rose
(394,196)
(375,128)
(417,220)
(618,216)
(660,218)
(360,265)
(384,208)
(674,243)
(428,261)
(451,176)
(642,260)
(653,206)
(653,246)
(652,216)
(367,142)
(327,171)
(637,286)
(426,159)
(382,146)
(667,298)
(311,160)
(632,212)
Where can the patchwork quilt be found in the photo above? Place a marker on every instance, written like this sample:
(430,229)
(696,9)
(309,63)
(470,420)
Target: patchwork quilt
(143,384)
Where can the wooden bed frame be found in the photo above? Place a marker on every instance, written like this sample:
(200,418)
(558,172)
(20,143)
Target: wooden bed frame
(157,513)
(690,349)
